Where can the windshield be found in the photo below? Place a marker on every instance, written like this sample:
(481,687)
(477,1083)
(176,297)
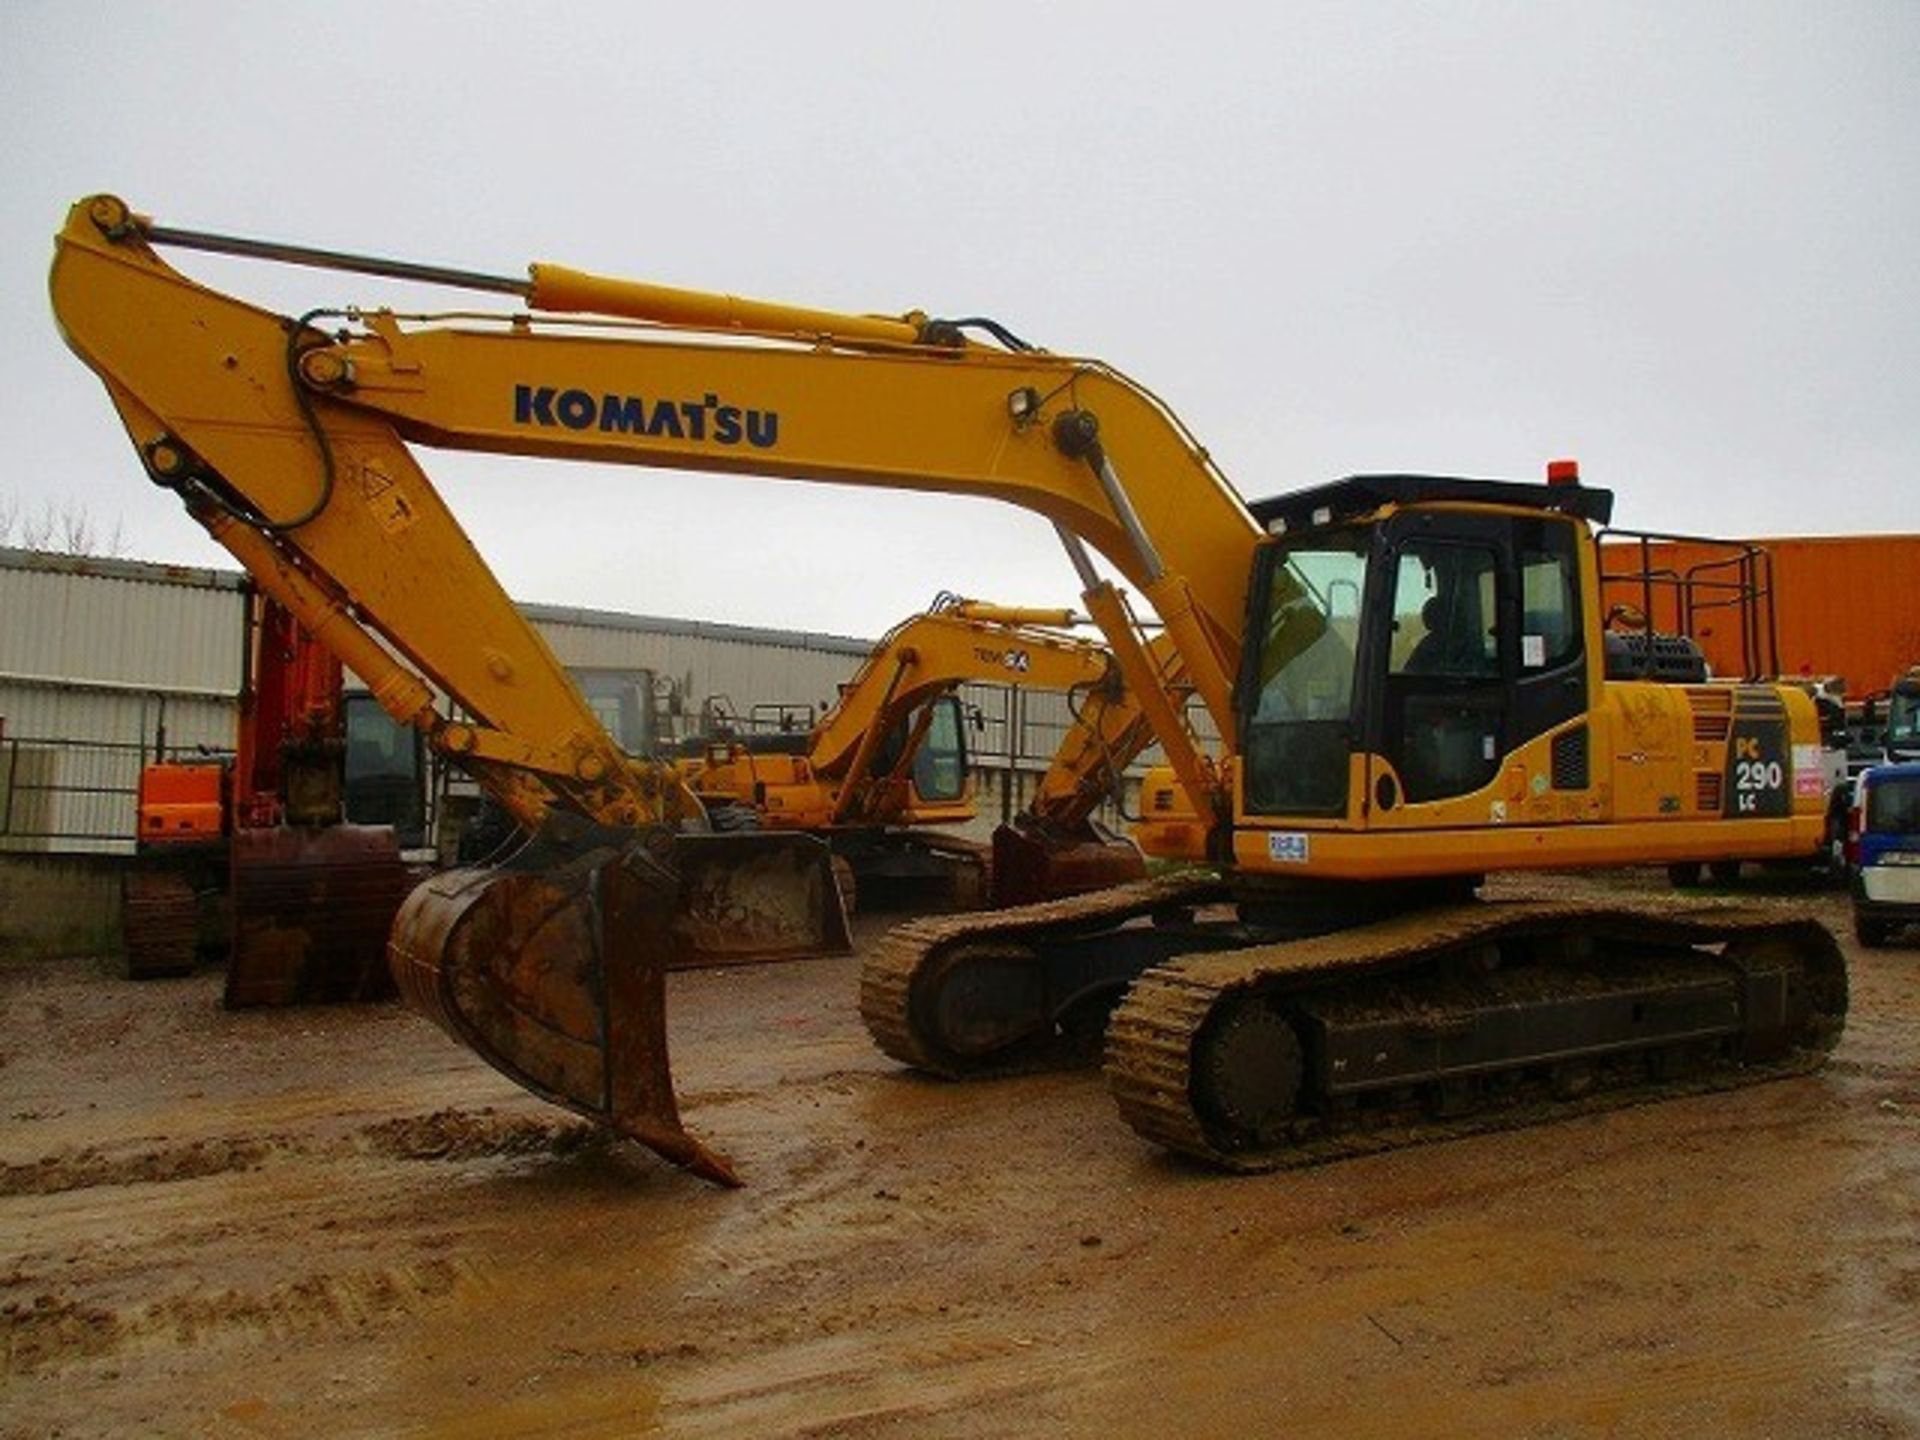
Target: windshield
(940,769)
(1299,730)
(1893,806)
(1903,719)
(620,700)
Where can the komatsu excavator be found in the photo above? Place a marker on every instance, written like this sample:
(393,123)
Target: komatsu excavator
(888,760)
(1405,675)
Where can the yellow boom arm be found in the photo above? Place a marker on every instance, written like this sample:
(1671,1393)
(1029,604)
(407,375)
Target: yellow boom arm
(289,441)
(203,385)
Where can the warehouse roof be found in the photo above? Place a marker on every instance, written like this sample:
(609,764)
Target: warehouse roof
(143,570)
(194,577)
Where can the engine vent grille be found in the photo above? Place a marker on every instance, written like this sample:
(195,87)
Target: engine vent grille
(1712,715)
(1706,791)
(1570,766)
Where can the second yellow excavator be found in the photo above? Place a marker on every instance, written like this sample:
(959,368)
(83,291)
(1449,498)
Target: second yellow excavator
(887,766)
(1407,675)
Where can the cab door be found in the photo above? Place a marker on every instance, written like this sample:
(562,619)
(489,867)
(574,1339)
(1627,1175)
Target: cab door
(1440,716)
(1550,673)
(1482,650)
(940,765)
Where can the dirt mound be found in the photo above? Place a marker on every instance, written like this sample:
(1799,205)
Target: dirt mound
(32,1332)
(82,1169)
(51,1331)
(475,1134)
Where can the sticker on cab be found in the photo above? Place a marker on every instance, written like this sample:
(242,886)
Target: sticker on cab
(1288,846)
(1807,779)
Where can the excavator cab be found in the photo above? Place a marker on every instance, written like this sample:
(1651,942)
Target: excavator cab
(1412,637)
(937,770)
(623,700)
(386,768)
(1428,663)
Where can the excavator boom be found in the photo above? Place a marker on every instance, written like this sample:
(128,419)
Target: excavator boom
(533,964)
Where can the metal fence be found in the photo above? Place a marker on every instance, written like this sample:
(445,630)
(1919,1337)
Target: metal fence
(68,795)
(71,754)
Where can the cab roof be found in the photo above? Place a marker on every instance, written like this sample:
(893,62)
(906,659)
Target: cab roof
(1359,495)
(1891,770)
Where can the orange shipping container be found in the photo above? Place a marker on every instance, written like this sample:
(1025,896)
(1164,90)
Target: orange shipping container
(1842,605)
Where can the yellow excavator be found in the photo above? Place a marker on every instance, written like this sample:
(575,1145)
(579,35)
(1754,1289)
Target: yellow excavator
(1406,675)
(888,762)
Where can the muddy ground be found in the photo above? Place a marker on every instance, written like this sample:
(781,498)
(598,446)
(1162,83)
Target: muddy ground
(334,1222)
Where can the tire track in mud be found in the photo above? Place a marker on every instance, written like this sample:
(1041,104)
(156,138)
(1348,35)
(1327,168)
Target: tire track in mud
(1847,1349)
(94,1165)
(48,1332)
(919,1380)
(926,1381)
(457,1134)
(846,1386)
(452,1132)
(446,1134)
(48,1322)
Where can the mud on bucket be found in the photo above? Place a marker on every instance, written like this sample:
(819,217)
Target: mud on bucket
(555,974)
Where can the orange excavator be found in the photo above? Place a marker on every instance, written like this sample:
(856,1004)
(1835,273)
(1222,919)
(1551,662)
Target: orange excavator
(1406,676)
(308,897)
(887,764)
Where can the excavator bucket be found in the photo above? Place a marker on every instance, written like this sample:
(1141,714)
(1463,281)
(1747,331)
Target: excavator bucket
(757,896)
(1030,864)
(555,973)
(311,912)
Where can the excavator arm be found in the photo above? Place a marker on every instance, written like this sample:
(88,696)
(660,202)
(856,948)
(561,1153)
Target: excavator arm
(289,441)
(856,767)
(1055,848)
(301,414)
(976,640)
(551,967)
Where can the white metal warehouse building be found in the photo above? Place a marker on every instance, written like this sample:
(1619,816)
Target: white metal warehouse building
(95,653)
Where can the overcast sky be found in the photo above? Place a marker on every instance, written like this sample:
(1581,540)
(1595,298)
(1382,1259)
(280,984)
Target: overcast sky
(1676,241)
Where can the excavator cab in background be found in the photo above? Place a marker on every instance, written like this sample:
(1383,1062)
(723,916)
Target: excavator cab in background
(476,828)
(383,781)
(1900,739)
(753,778)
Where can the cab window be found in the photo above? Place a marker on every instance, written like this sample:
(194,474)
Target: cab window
(1893,806)
(1299,732)
(940,767)
(1444,608)
(1549,596)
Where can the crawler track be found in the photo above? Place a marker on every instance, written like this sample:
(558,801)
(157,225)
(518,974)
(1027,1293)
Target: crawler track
(159,922)
(1723,997)
(914,960)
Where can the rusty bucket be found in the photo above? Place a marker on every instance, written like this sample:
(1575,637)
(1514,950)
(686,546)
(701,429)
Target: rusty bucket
(552,967)
(311,912)
(1031,863)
